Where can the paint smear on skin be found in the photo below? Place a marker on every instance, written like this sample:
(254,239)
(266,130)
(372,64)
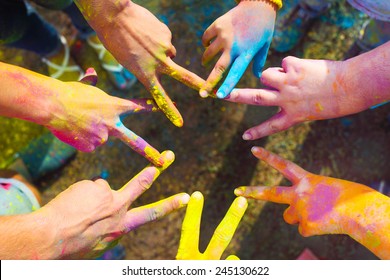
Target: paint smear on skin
(169,109)
(5,186)
(319,107)
(325,198)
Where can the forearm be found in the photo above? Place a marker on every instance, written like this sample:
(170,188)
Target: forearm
(99,13)
(367,221)
(26,236)
(28,95)
(368,76)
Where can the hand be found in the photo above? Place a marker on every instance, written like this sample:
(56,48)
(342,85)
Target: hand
(142,44)
(319,204)
(189,241)
(305,90)
(88,116)
(242,34)
(89,217)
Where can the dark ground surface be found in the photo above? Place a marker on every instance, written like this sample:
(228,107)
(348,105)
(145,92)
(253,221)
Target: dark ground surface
(210,154)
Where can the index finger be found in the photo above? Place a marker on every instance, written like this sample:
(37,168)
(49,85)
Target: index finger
(165,103)
(137,144)
(290,170)
(276,194)
(189,240)
(225,230)
(144,179)
(183,75)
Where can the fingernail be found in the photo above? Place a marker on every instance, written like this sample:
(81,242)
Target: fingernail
(197,195)
(203,93)
(247,136)
(241,202)
(255,150)
(220,94)
(239,191)
(169,156)
(184,199)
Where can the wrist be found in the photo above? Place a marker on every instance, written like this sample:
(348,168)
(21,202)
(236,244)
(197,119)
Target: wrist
(102,14)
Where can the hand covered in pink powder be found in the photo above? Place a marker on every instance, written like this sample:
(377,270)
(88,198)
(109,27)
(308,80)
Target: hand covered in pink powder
(87,116)
(89,217)
(325,205)
(243,34)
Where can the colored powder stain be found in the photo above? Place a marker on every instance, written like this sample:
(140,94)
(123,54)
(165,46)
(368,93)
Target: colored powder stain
(319,108)
(5,186)
(325,198)
(334,87)
(372,239)
(153,154)
(170,111)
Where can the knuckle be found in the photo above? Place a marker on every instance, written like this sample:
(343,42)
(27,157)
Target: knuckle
(257,99)
(220,68)
(155,213)
(222,236)
(144,183)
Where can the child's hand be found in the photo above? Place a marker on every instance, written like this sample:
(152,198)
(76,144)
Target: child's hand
(305,90)
(189,241)
(242,34)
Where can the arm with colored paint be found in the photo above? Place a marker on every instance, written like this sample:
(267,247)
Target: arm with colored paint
(141,43)
(243,34)
(307,90)
(85,220)
(324,205)
(78,114)
(189,241)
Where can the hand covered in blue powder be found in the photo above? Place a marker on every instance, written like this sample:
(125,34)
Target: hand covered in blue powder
(242,34)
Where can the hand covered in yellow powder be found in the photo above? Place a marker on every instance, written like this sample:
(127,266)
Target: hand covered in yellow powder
(89,217)
(324,205)
(142,44)
(189,241)
(307,90)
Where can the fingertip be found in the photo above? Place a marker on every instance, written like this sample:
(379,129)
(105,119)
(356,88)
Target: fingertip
(203,93)
(221,94)
(239,191)
(247,136)
(242,202)
(197,195)
(169,156)
(256,150)
(184,199)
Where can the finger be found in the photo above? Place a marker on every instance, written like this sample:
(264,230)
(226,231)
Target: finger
(143,180)
(289,169)
(136,106)
(189,240)
(171,52)
(232,258)
(235,73)
(273,77)
(211,51)
(90,77)
(216,74)
(103,183)
(278,194)
(259,60)
(259,97)
(275,124)
(151,212)
(137,144)
(183,75)
(209,34)
(225,230)
(165,103)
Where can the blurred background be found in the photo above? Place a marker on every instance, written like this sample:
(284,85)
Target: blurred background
(210,154)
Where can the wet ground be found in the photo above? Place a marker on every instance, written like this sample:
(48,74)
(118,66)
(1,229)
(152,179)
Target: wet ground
(210,154)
